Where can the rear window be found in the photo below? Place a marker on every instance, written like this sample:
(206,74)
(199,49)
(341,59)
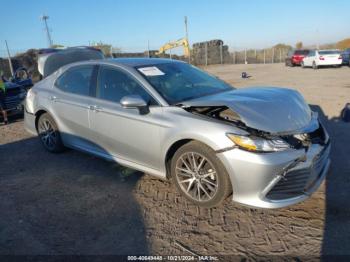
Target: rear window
(329,52)
(301,52)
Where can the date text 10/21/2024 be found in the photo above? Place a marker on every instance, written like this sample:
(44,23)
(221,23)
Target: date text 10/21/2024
(172,258)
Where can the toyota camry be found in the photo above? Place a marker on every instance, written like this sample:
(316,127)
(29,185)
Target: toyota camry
(262,146)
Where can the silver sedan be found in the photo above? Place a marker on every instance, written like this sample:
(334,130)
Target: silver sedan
(264,146)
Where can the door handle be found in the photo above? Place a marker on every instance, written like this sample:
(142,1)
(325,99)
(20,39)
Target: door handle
(53,98)
(95,108)
(98,109)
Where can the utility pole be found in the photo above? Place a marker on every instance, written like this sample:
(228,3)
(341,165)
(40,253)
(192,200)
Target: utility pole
(186,34)
(9,58)
(49,39)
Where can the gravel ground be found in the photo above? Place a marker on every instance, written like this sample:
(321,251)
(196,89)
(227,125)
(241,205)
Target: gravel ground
(73,203)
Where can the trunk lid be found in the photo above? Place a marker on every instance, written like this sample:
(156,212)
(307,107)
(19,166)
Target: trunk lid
(51,61)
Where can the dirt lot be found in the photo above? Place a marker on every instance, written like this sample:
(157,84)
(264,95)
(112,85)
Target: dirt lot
(74,203)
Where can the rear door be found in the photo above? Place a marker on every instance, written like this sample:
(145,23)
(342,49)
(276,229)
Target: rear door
(125,133)
(70,105)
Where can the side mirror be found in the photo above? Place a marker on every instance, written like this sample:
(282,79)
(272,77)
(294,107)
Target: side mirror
(135,101)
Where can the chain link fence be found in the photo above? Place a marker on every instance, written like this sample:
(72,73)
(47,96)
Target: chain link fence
(260,56)
(202,54)
(215,52)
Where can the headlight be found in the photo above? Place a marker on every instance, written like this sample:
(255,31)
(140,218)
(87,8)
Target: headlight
(258,144)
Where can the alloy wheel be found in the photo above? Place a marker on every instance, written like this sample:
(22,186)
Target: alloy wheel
(196,176)
(47,134)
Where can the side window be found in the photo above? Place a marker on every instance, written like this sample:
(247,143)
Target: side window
(76,80)
(113,85)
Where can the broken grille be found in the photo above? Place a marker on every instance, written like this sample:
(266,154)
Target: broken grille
(296,182)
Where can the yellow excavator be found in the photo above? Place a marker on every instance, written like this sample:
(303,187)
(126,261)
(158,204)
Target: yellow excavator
(181,42)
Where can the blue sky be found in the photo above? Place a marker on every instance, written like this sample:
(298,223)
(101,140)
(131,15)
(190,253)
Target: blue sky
(129,24)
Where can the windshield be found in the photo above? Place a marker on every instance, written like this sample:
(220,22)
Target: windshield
(330,52)
(177,82)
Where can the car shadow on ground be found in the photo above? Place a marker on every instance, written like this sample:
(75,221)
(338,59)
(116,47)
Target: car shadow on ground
(73,203)
(68,203)
(336,237)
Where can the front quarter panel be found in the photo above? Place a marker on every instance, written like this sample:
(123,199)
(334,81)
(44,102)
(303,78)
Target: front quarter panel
(179,124)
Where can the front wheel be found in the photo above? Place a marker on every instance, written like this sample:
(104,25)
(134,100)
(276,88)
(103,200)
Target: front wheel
(49,134)
(199,175)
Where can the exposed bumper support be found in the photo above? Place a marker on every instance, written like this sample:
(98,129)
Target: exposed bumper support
(256,174)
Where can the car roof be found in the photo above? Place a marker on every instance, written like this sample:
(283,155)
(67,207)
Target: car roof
(124,62)
(135,62)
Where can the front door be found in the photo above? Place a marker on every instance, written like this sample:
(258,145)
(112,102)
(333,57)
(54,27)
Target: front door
(125,133)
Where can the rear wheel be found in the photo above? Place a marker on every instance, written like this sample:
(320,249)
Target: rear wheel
(199,175)
(49,134)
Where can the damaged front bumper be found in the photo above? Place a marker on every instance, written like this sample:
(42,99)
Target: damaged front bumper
(275,180)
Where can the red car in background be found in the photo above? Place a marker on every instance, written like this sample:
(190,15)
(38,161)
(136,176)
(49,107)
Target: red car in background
(294,57)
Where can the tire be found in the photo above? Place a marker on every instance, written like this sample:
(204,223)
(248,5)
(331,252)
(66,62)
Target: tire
(207,187)
(314,66)
(49,134)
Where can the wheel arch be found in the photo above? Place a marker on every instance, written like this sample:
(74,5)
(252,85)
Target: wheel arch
(174,146)
(39,113)
(171,152)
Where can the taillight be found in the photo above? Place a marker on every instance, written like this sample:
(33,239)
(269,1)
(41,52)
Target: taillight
(340,57)
(321,58)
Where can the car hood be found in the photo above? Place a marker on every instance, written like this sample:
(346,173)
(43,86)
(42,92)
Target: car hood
(269,109)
